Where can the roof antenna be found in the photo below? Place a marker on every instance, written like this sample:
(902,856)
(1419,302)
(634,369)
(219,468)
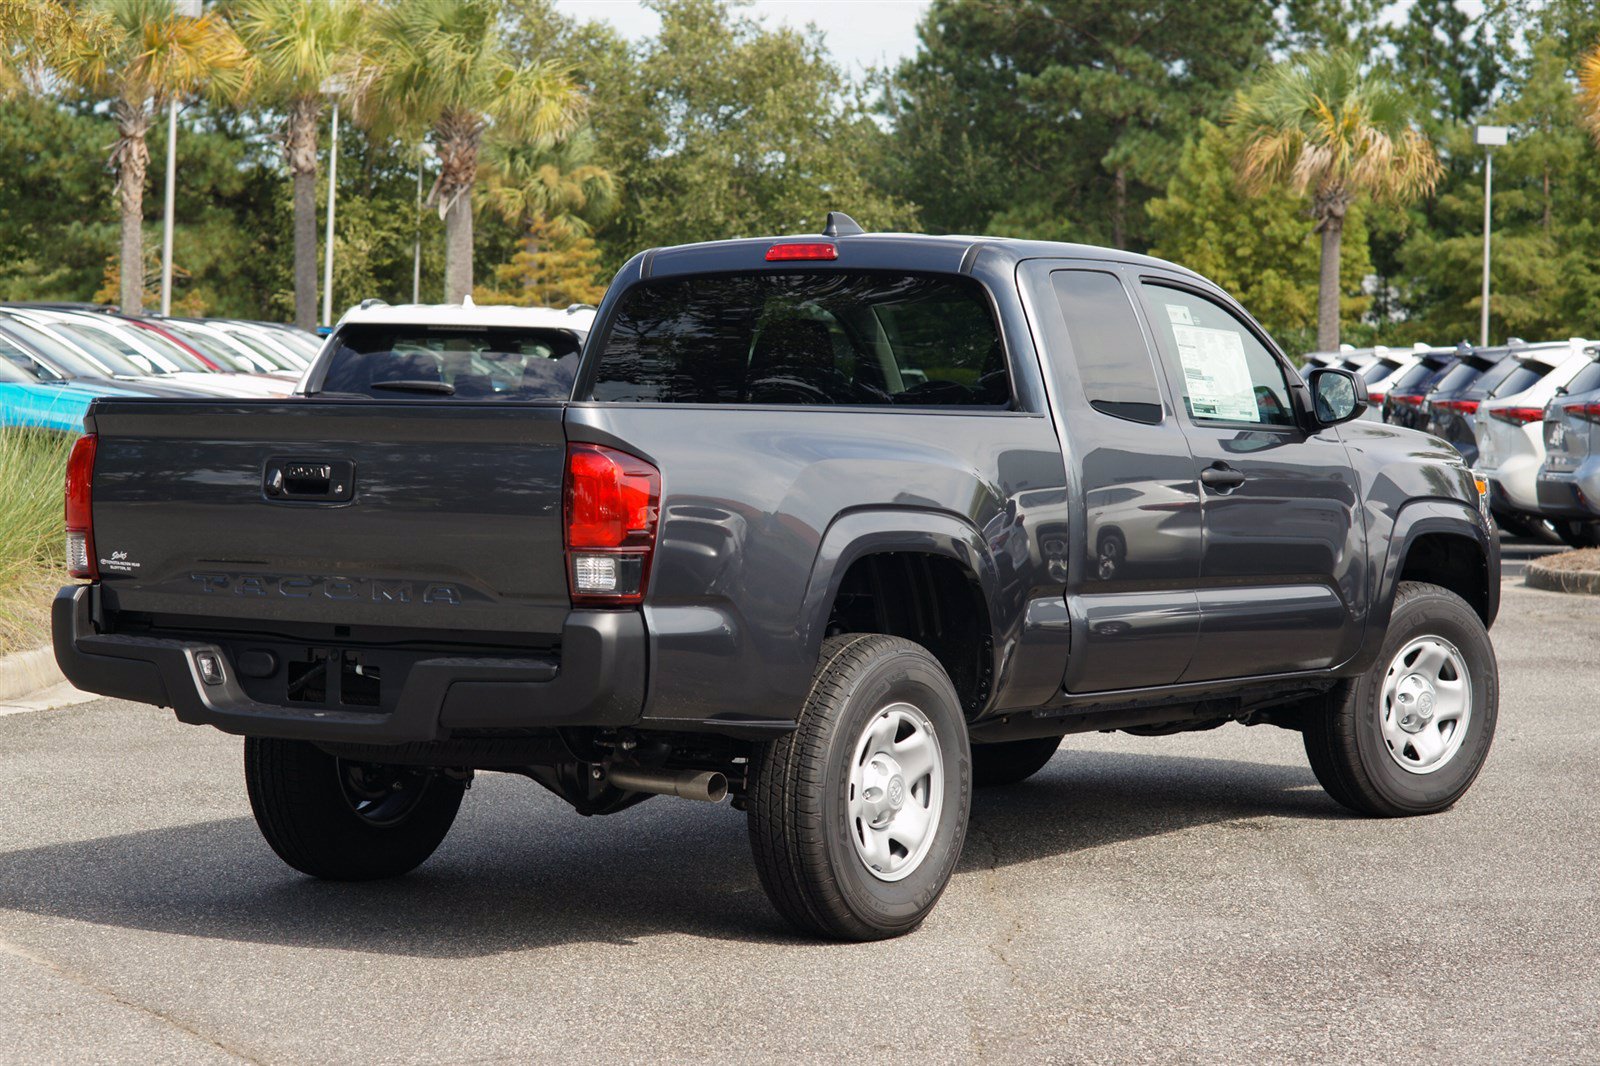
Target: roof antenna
(841,225)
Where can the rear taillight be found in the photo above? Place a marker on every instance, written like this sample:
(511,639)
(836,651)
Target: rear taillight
(1589,412)
(612,503)
(1409,399)
(80,508)
(1374,397)
(1517,416)
(1465,407)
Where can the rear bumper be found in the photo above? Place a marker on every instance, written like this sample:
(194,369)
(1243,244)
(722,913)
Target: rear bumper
(1563,495)
(597,680)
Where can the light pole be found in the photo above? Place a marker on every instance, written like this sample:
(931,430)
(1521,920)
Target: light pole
(189,9)
(331,87)
(424,153)
(1491,137)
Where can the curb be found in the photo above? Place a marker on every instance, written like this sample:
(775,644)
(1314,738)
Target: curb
(26,672)
(1581,582)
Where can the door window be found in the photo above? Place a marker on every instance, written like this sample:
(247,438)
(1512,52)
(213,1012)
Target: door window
(1222,371)
(1113,359)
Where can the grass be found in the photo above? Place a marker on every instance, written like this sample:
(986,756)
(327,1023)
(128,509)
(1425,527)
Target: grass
(33,464)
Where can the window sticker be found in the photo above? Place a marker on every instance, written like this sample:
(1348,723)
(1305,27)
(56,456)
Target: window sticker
(1178,315)
(1216,373)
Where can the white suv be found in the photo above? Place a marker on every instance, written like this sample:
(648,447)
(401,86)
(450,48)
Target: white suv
(1510,427)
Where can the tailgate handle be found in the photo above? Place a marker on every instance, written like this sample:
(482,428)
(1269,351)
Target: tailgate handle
(309,480)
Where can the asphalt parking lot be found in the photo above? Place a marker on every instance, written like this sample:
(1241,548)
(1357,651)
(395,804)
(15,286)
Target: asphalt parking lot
(1192,897)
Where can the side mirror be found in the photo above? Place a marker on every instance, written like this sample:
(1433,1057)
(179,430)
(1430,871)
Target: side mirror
(1336,396)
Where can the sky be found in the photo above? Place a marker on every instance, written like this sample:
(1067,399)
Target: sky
(859,32)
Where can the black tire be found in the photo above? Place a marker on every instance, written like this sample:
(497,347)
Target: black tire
(1344,731)
(800,823)
(1011,761)
(341,820)
(1577,534)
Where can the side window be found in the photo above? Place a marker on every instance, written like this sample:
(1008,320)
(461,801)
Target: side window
(1119,378)
(1223,372)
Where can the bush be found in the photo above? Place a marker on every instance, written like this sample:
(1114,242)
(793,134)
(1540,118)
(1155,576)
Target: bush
(32,565)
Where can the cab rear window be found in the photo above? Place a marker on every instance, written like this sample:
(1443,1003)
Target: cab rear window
(848,338)
(452,362)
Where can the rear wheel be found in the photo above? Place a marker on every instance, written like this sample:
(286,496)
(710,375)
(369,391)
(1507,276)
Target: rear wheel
(857,817)
(344,820)
(1011,761)
(1578,534)
(1410,735)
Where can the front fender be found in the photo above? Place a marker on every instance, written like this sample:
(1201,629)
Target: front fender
(1416,519)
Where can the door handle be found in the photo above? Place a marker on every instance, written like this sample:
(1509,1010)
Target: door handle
(1221,477)
(309,480)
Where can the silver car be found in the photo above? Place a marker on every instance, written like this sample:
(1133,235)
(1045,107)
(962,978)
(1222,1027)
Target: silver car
(1569,478)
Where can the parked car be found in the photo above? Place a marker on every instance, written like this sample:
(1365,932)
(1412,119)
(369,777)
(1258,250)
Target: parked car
(1379,367)
(1510,433)
(807,523)
(55,403)
(223,346)
(1568,480)
(1407,390)
(276,343)
(152,353)
(1451,406)
(44,359)
(305,344)
(1314,360)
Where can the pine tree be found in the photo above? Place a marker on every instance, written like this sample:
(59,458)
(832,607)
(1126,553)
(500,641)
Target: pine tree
(551,268)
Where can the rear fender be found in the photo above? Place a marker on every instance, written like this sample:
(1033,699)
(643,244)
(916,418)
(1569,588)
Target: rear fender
(857,534)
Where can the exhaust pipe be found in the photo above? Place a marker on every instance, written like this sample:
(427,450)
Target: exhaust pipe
(707,786)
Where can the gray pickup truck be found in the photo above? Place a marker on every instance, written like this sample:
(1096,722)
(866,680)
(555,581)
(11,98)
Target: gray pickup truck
(841,526)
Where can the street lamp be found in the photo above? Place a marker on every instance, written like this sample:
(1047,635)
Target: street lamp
(189,9)
(331,87)
(1491,137)
(424,153)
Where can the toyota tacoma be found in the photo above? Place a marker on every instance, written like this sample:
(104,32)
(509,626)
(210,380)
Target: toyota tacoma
(841,526)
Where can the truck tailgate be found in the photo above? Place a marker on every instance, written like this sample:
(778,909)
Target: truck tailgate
(451,519)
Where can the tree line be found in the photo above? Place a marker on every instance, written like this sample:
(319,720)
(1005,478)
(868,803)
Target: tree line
(1314,156)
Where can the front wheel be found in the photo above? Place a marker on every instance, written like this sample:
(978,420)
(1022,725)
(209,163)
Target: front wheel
(343,820)
(1410,735)
(857,817)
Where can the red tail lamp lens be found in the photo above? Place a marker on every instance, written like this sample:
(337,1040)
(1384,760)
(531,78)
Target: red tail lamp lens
(80,508)
(1517,416)
(612,503)
(1589,412)
(779,253)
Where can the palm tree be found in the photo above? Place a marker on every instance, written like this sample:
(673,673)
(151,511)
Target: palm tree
(1326,130)
(1589,90)
(448,75)
(557,187)
(295,48)
(28,30)
(141,54)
